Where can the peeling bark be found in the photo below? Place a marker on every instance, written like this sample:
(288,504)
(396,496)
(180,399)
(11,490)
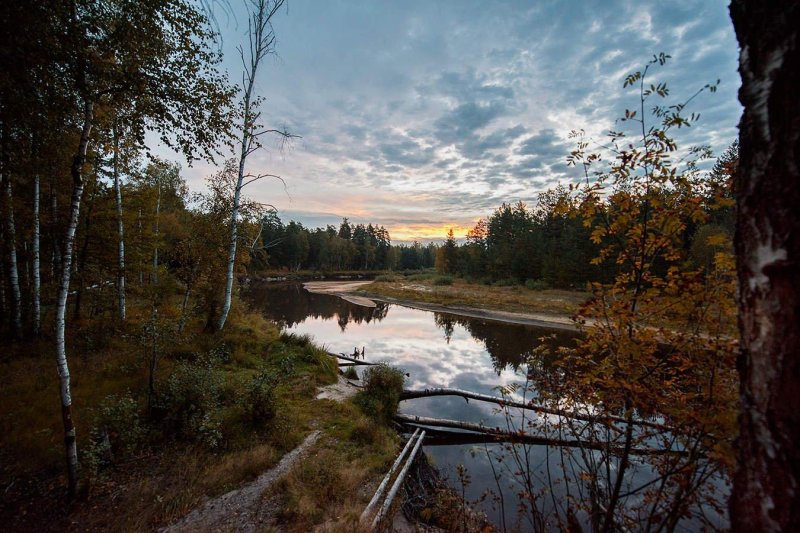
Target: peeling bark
(766,493)
(120,231)
(63,291)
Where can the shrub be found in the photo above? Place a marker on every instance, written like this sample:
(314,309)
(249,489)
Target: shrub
(351,373)
(260,397)
(381,394)
(117,431)
(387,277)
(191,401)
(295,339)
(536,284)
(421,276)
(443,280)
(505,282)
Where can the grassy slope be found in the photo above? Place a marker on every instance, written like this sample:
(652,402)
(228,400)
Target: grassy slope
(165,477)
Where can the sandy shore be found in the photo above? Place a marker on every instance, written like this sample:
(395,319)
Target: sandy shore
(343,288)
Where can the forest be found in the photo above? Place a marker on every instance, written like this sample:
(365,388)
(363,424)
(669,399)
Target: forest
(133,360)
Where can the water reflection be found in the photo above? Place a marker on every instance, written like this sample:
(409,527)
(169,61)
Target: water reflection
(437,350)
(445,350)
(289,304)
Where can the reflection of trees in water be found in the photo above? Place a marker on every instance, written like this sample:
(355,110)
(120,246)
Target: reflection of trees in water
(509,345)
(290,304)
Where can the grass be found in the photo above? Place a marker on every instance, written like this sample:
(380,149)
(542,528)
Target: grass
(167,475)
(441,290)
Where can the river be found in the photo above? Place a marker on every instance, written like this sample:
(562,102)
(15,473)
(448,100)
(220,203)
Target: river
(445,350)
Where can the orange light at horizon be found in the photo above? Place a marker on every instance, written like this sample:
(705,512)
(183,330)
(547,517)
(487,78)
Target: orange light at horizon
(423,232)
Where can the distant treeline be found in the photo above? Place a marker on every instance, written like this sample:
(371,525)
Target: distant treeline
(350,247)
(548,245)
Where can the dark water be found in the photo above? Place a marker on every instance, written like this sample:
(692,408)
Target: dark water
(442,350)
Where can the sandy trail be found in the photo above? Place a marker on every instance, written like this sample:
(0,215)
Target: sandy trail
(242,509)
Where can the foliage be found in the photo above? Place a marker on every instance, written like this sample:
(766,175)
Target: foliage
(659,337)
(117,432)
(381,393)
(191,402)
(443,280)
(536,284)
(260,399)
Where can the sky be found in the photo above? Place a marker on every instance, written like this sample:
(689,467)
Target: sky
(427,115)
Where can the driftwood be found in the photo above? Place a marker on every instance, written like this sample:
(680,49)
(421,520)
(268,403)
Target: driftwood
(525,438)
(382,487)
(505,402)
(387,504)
(357,364)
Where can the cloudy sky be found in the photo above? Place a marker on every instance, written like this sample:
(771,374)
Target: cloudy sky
(425,115)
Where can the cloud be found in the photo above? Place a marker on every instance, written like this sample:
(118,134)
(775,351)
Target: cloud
(424,111)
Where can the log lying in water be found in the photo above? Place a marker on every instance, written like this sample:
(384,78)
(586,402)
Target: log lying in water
(502,435)
(352,360)
(505,402)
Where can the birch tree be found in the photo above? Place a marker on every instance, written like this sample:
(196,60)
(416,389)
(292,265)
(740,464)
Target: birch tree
(116,51)
(261,44)
(766,488)
(11,238)
(120,225)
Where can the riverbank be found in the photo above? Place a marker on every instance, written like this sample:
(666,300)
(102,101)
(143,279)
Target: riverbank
(512,305)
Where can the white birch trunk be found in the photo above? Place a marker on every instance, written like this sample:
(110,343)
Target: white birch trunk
(37,278)
(155,252)
(61,306)
(261,42)
(120,232)
(55,255)
(13,271)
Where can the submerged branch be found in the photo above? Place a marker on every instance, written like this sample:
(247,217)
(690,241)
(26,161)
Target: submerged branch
(501,435)
(504,402)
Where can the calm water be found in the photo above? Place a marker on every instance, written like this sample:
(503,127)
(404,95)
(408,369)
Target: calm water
(436,350)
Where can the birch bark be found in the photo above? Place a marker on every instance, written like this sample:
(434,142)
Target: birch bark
(766,488)
(70,442)
(120,231)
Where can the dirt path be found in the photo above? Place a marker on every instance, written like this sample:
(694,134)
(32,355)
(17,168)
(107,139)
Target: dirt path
(339,391)
(242,510)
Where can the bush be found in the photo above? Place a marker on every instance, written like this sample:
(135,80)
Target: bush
(117,431)
(443,280)
(505,282)
(381,394)
(351,373)
(296,339)
(387,277)
(191,402)
(421,276)
(536,284)
(260,398)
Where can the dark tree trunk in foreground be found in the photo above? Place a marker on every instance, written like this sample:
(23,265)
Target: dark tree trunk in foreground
(766,493)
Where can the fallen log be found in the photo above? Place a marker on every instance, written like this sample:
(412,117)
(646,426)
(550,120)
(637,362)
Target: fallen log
(505,402)
(525,438)
(352,360)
